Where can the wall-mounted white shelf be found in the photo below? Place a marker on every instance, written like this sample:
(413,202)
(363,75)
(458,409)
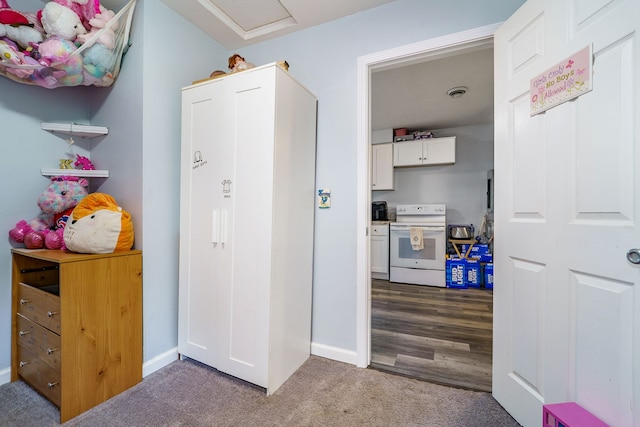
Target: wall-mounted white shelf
(75,129)
(76,172)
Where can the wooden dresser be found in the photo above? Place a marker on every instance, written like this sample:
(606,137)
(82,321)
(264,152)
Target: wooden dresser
(76,325)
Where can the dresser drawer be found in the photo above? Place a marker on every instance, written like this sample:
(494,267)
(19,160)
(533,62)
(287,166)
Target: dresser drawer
(39,375)
(40,306)
(39,341)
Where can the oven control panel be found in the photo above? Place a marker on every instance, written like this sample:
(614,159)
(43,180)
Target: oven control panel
(430,209)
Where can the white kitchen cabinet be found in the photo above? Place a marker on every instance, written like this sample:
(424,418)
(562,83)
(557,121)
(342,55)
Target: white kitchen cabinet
(247,207)
(379,253)
(382,166)
(424,152)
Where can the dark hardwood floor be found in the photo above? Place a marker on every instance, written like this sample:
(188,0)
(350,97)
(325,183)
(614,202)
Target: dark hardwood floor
(434,334)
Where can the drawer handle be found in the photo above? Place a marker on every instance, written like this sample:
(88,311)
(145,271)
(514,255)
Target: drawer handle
(22,364)
(23,333)
(24,301)
(50,351)
(51,313)
(51,385)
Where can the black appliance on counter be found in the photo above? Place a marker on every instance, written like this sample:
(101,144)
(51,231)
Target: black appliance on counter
(379,211)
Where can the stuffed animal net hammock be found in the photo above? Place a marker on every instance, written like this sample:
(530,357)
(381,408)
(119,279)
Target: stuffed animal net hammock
(92,59)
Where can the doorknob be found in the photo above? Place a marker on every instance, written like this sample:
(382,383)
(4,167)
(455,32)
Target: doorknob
(633,255)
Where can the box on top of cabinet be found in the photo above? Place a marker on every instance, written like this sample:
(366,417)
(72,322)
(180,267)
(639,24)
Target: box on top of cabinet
(381,136)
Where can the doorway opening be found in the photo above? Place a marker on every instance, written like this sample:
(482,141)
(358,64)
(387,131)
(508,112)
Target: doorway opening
(399,57)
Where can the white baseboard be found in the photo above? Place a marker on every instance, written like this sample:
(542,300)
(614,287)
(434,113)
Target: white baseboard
(334,353)
(5,375)
(148,367)
(159,362)
(164,359)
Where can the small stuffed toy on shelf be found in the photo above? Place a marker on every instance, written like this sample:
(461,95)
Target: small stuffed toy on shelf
(83,163)
(56,203)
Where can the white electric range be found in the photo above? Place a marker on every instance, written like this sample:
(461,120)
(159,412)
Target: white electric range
(418,244)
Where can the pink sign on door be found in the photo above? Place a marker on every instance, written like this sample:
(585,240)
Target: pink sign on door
(562,82)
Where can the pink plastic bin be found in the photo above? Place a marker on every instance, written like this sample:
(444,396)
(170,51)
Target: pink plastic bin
(569,414)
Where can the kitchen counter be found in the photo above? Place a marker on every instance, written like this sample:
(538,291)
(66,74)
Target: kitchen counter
(380,222)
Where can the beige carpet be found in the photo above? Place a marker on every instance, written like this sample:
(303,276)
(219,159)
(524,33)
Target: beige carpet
(321,393)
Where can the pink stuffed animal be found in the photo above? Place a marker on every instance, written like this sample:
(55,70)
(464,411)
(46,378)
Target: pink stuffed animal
(56,204)
(106,37)
(66,68)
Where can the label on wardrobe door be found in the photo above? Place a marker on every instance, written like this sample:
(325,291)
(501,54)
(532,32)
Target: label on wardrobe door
(226,188)
(198,161)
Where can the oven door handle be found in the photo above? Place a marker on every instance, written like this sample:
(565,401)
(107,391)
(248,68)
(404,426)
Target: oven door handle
(424,228)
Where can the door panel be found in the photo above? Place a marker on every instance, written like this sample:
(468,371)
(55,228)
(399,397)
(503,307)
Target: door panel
(566,300)
(605,338)
(252,100)
(200,270)
(603,170)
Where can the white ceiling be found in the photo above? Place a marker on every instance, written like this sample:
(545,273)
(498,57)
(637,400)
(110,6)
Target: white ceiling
(415,96)
(412,96)
(239,23)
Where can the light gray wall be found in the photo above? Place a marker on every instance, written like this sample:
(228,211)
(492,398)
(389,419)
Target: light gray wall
(164,75)
(324,58)
(461,187)
(142,111)
(25,150)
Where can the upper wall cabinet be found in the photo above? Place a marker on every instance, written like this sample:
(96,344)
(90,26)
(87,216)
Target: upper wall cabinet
(425,152)
(382,166)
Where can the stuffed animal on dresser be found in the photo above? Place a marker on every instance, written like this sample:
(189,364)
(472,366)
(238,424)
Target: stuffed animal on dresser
(98,225)
(56,203)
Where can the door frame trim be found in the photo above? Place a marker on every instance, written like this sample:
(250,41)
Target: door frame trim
(378,61)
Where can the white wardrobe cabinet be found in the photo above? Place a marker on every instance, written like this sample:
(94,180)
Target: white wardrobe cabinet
(246,238)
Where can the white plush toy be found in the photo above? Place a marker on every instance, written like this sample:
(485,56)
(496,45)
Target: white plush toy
(61,21)
(21,34)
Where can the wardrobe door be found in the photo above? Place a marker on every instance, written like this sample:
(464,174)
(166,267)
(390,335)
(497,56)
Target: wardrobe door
(204,266)
(245,338)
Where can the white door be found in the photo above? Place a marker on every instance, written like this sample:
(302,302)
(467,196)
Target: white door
(245,303)
(567,209)
(203,261)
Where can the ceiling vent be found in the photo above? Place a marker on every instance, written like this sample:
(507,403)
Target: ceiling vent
(457,92)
